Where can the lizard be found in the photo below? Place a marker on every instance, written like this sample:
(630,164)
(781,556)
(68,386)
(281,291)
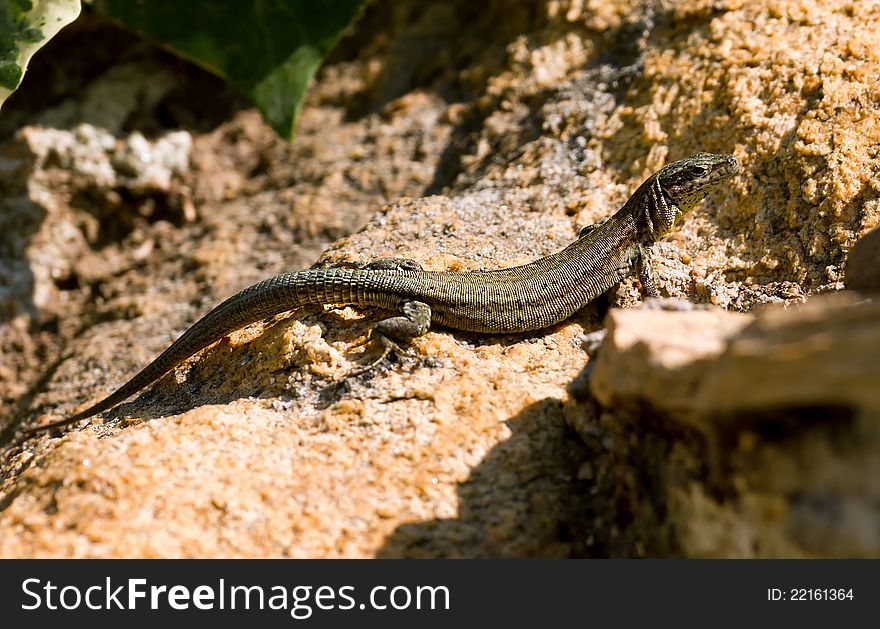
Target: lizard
(517,299)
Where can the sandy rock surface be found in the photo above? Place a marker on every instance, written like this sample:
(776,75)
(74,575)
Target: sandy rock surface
(463,136)
(787,402)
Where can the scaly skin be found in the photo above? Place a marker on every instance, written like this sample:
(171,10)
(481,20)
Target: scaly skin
(528,297)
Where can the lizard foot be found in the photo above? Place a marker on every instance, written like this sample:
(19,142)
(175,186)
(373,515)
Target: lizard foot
(387,346)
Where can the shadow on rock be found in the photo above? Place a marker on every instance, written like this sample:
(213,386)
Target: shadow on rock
(523,500)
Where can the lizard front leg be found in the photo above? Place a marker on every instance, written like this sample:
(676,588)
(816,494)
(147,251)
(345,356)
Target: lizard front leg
(646,273)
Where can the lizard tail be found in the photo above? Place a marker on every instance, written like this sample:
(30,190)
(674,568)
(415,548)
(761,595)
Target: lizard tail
(268,298)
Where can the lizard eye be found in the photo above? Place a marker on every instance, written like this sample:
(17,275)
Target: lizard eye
(699,171)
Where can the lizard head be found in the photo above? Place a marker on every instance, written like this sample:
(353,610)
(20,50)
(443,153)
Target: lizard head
(683,184)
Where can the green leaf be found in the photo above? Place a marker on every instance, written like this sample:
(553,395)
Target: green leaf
(269,49)
(25,26)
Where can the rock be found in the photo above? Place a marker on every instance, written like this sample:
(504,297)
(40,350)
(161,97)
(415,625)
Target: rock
(659,357)
(823,354)
(786,405)
(717,364)
(58,185)
(863,265)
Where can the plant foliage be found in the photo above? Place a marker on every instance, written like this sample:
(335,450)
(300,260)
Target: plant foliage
(269,49)
(25,26)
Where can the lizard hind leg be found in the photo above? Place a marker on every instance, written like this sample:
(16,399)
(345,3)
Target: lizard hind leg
(380,264)
(389,333)
(392,264)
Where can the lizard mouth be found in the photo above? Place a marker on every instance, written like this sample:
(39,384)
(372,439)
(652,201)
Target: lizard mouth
(717,172)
